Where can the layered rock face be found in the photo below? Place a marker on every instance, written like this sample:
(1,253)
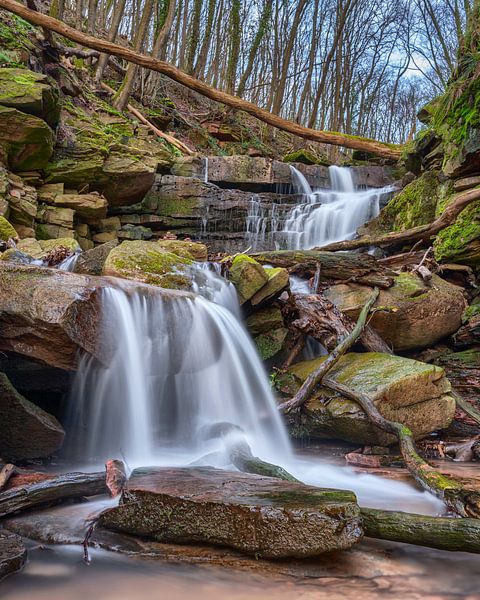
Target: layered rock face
(403,390)
(257,515)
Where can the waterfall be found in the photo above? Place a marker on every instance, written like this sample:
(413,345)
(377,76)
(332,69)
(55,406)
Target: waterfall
(177,363)
(326,216)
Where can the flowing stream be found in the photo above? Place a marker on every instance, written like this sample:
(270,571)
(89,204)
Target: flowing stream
(325,216)
(177,364)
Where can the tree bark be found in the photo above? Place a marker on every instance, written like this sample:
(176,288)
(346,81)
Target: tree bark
(112,34)
(357,143)
(464,502)
(317,376)
(60,487)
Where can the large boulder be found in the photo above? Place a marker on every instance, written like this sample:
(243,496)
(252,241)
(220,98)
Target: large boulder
(248,276)
(29,92)
(278,280)
(460,242)
(417,314)
(151,263)
(91,261)
(258,515)
(7,231)
(26,431)
(48,315)
(26,142)
(404,390)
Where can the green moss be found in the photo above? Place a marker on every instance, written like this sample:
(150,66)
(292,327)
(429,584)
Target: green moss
(269,344)
(7,230)
(472,311)
(461,240)
(69,243)
(301,156)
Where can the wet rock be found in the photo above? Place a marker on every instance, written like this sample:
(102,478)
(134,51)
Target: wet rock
(257,515)
(91,261)
(48,315)
(26,142)
(248,276)
(417,315)
(270,343)
(26,431)
(13,553)
(278,280)
(31,247)
(403,390)
(16,256)
(264,320)
(150,263)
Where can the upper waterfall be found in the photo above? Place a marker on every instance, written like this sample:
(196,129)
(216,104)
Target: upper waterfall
(325,216)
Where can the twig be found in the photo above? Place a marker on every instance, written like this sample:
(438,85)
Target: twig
(466,406)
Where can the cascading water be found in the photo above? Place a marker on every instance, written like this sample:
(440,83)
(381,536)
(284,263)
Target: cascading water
(326,216)
(178,363)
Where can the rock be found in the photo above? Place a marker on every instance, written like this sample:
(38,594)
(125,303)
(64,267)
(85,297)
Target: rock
(26,431)
(50,231)
(31,247)
(134,232)
(301,156)
(26,142)
(7,231)
(418,315)
(460,242)
(278,280)
(49,245)
(91,262)
(264,320)
(404,390)
(86,205)
(16,256)
(48,315)
(248,276)
(257,515)
(193,250)
(104,237)
(150,263)
(270,343)
(13,554)
(21,199)
(51,215)
(466,183)
(29,92)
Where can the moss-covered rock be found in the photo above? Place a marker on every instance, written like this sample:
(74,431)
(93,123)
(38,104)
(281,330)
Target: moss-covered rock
(30,93)
(26,142)
(416,315)
(186,249)
(16,256)
(301,156)
(270,343)
(403,390)
(7,230)
(278,280)
(460,242)
(150,263)
(248,276)
(68,243)
(264,320)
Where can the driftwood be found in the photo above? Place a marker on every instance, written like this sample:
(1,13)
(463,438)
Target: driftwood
(467,408)
(322,320)
(5,473)
(464,502)
(421,233)
(433,532)
(169,138)
(59,487)
(317,376)
(326,137)
(116,477)
(359,268)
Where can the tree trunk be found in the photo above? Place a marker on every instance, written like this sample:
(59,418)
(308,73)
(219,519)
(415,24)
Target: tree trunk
(112,35)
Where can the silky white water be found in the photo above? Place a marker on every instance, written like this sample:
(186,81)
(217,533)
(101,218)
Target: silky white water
(176,364)
(325,216)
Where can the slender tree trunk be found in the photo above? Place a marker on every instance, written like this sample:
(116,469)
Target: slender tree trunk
(235,39)
(199,69)
(112,35)
(194,32)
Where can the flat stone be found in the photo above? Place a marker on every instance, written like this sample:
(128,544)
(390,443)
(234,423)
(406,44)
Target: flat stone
(86,205)
(466,183)
(257,515)
(26,431)
(248,276)
(264,320)
(13,553)
(278,280)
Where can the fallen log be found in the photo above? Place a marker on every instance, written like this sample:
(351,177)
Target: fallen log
(467,408)
(59,487)
(359,268)
(434,532)
(420,233)
(321,319)
(462,501)
(316,376)
(337,139)
(5,473)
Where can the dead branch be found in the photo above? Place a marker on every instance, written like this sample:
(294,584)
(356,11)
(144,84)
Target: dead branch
(5,473)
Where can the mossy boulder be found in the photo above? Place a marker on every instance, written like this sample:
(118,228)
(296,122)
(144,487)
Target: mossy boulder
(248,276)
(16,256)
(31,247)
(264,320)
(301,156)
(403,390)
(26,431)
(187,249)
(460,242)
(257,515)
(270,343)
(278,280)
(416,315)
(68,243)
(150,263)
(26,142)
(7,230)
(30,93)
